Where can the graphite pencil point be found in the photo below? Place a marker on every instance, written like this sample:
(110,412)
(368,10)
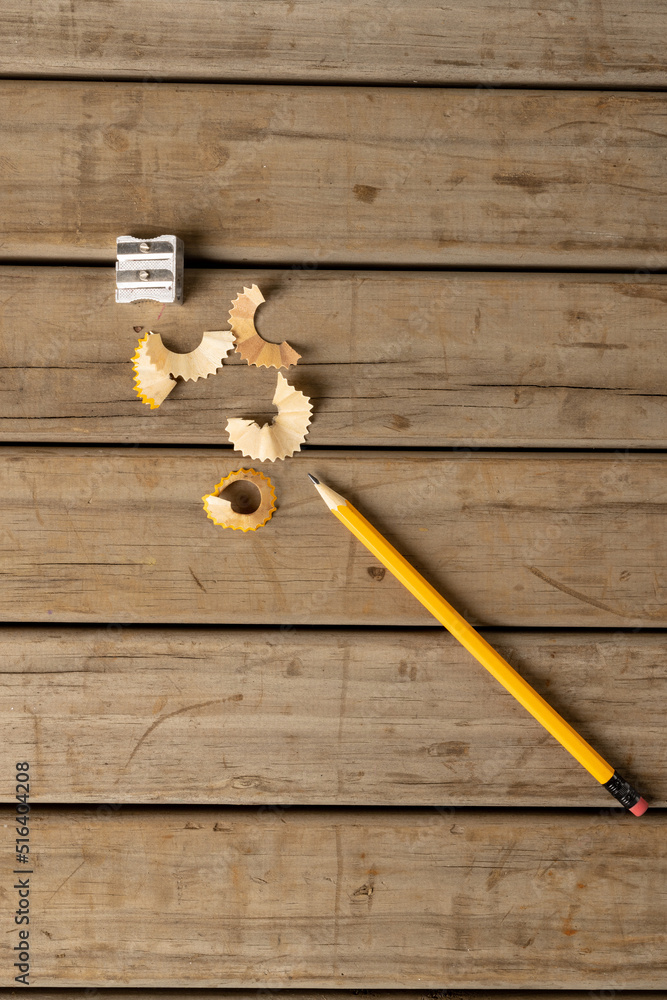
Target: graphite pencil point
(313,480)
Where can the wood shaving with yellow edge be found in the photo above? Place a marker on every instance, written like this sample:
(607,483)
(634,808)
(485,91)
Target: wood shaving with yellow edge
(156,367)
(153,386)
(283,436)
(253,348)
(220,510)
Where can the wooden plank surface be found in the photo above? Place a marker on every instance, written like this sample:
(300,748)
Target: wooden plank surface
(305,179)
(118,993)
(322,717)
(476,41)
(392,359)
(422,177)
(426,899)
(120,535)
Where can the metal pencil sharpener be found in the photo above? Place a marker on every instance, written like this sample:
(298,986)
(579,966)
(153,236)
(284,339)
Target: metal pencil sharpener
(149,269)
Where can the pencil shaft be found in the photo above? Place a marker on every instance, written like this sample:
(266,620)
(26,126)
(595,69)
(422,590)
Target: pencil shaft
(472,641)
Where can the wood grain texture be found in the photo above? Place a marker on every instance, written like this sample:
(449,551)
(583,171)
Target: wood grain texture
(118,993)
(390,359)
(120,535)
(322,717)
(424,899)
(477,41)
(335,175)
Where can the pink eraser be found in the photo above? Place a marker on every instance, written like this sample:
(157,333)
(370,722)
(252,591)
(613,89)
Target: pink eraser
(639,808)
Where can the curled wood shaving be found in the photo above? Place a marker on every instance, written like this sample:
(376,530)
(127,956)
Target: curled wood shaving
(283,436)
(153,386)
(253,348)
(200,363)
(220,510)
(156,367)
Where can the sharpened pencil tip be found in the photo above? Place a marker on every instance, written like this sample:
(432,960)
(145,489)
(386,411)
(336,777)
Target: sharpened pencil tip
(313,480)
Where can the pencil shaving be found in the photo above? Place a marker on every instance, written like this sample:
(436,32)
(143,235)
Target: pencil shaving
(253,348)
(220,511)
(283,436)
(152,386)
(200,363)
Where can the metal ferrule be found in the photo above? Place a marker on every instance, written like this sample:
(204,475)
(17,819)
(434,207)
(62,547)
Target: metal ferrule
(622,790)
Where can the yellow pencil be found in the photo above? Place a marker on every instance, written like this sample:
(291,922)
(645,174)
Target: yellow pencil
(481,650)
